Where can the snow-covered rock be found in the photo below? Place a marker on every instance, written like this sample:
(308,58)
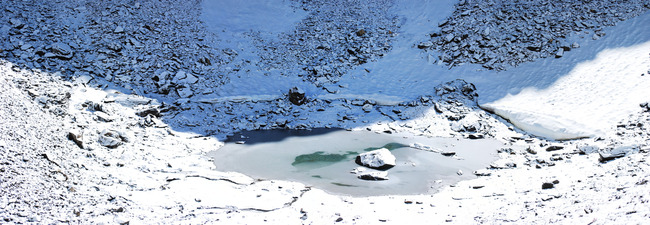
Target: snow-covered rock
(373,175)
(111,138)
(380,159)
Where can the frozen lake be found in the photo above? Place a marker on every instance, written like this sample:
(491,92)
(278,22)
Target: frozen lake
(324,158)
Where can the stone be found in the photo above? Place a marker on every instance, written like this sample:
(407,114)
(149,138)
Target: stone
(615,153)
(297,96)
(476,136)
(554,148)
(588,149)
(115,46)
(149,111)
(374,175)
(565,46)
(281,122)
(111,138)
(547,185)
(103,117)
(118,30)
(380,159)
(575,45)
(61,50)
(482,173)
(184,78)
(361,32)
(448,153)
(358,170)
(449,37)
(425,45)
(367,108)
(184,92)
(16,23)
(559,53)
(77,137)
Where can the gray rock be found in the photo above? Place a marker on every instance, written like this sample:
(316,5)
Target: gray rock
(358,170)
(367,108)
(425,45)
(575,45)
(588,149)
(61,50)
(184,92)
(380,159)
(617,152)
(184,78)
(119,29)
(554,148)
(559,53)
(482,172)
(103,117)
(111,138)
(149,111)
(449,37)
(16,23)
(77,137)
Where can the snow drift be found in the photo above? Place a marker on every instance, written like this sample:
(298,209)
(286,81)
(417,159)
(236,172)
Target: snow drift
(591,99)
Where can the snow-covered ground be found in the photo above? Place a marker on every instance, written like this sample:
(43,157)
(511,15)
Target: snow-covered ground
(108,109)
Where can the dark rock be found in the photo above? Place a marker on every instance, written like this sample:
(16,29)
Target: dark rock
(425,45)
(448,153)
(482,173)
(547,185)
(297,96)
(554,148)
(150,111)
(476,136)
(361,32)
(531,150)
(373,175)
(76,137)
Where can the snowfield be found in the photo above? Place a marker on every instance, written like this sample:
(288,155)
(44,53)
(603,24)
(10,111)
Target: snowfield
(108,109)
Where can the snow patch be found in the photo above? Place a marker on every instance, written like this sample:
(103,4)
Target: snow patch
(588,101)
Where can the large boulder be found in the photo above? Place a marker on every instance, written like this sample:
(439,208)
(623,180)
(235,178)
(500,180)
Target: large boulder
(297,96)
(380,159)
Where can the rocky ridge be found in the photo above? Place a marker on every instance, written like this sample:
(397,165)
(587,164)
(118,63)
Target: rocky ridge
(498,34)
